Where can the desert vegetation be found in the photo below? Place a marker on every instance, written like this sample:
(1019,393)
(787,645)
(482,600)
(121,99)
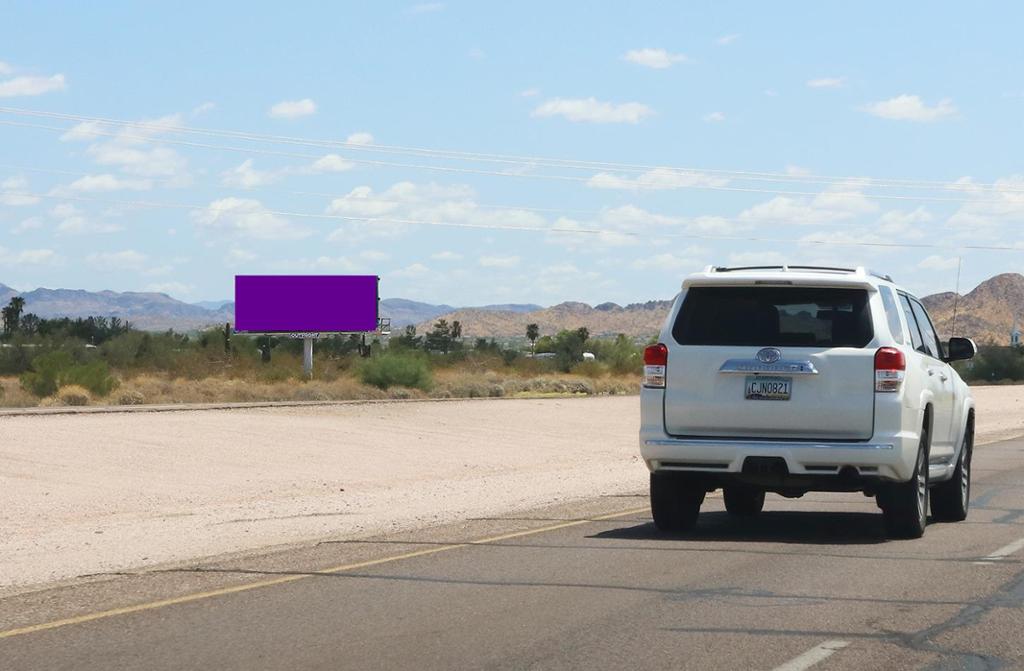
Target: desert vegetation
(100,361)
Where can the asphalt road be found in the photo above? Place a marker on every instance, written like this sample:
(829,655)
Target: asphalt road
(811,582)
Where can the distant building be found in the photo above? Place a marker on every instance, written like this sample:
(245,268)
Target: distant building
(1015,336)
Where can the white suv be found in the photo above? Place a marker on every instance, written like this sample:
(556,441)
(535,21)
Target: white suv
(791,379)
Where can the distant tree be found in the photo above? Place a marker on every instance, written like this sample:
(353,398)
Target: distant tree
(30,324)
(568,347)
(12,314)
(408,339)
(440,337)
(456,329)
(532,333)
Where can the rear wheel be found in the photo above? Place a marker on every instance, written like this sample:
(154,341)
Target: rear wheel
(951,499)
(744,500)
(905,504)
(675,502)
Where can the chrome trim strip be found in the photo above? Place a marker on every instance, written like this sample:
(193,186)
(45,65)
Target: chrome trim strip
(786,366)
(765,444)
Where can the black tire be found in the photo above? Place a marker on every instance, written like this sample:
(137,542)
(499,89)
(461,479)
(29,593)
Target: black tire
(905,504)
(951,500)
(675,502)
(743,500)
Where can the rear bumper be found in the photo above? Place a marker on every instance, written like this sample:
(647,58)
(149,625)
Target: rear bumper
(884,459)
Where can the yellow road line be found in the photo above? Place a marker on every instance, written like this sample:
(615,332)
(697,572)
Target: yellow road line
(223,591)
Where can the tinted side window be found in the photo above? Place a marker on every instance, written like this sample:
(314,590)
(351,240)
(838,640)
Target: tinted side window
(780,316)
(915,333)
(892,313)
(931,341)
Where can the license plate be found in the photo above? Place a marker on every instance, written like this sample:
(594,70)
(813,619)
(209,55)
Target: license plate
(768,388)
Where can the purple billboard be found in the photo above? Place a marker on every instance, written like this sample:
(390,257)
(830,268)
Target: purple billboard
(305,303)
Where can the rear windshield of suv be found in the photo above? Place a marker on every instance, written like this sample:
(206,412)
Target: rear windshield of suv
(762,316)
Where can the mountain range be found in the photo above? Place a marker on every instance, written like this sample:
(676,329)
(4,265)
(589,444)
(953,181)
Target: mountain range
(987,313)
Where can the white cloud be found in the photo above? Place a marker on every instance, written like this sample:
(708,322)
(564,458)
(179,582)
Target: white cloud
(499,261)
(331,163)
(244,176)
(530,93)
(238,257)
(726,40)
(659,59)
(76,224)
(28,257)
(362,202)
(171,288)
(593,110)
(6,68)
(31,86)
(936,262)
(25,225)
(374,255)
(911,108)
(108,182)
(127,259)
(248,218)
(14,192)
(205,107)
(797,171)
(714,117)
(129,150)
(656,179)
(446,256)
(905,224)
(411,271)
(292,109)
(671,261)
(360,138)
(826,83)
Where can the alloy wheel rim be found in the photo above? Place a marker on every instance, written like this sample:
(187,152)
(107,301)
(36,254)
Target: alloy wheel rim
(965,476)
(922,487)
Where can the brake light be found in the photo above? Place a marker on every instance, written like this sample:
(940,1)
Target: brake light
(655,361)
(890,365)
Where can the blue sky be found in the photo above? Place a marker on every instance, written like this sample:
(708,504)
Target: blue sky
(871,123)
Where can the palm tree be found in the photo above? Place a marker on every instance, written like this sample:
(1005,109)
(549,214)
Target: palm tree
(532,333)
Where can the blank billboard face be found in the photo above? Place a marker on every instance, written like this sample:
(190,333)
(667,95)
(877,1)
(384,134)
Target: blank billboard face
(305,303)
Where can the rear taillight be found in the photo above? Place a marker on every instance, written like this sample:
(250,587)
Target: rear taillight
(655,361)
(890,365)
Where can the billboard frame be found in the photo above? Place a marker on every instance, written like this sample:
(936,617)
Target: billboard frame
(383,325)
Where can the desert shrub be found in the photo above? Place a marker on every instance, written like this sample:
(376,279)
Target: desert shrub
(406,369)
(54,370)
(131,397)
(43,376)
(591,369)
(94,376)
(72,394)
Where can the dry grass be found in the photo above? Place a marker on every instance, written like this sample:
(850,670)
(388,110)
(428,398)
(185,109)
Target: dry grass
(448,383)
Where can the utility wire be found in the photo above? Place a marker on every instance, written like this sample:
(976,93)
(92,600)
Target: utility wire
(502,227)
(528,161)
(428,202)
(494,173)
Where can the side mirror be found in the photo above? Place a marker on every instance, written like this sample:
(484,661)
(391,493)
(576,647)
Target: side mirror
(960,349)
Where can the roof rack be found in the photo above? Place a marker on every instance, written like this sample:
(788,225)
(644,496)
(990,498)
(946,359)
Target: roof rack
(860,270)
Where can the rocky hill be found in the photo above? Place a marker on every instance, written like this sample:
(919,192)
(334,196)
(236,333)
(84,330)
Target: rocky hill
(986,314)
(635,320)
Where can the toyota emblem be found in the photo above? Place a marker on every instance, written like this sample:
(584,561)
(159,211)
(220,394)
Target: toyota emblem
(769,355)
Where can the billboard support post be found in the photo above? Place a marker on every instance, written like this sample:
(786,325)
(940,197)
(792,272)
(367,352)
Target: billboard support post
(307,357)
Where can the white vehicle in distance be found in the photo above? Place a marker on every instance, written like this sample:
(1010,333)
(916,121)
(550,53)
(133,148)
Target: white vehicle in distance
(791,379)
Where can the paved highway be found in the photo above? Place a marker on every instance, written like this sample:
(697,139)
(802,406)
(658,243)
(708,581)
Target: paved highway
(811,583)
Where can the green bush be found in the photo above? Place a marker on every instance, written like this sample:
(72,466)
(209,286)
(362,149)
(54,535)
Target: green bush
(404,369)
(54,370)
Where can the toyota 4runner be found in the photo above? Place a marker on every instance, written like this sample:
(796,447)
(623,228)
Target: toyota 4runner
(790,379)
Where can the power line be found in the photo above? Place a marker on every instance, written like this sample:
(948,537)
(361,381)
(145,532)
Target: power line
(474,171)
(531,161)
(427,202)
(541,229)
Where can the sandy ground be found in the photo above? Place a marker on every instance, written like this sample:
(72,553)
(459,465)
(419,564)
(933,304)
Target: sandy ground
(86,494)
